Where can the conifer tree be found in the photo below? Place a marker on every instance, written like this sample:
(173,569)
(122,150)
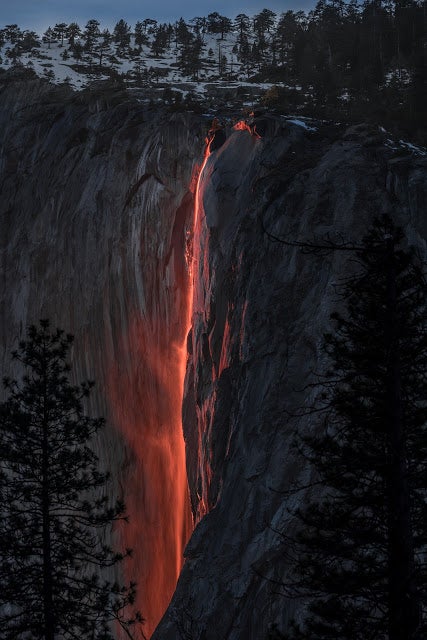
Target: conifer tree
(242,24)
(217,23)
(360,550)
(160,40)
(49,36)
(30,40)
(60,30)
(52,560)
(264,21)
(182,34)
(73,32)
(12,32)
(140,35)
(121,34)
(91,34)
(102,46)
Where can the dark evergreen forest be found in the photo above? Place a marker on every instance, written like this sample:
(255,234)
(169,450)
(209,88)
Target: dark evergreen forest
(362,60)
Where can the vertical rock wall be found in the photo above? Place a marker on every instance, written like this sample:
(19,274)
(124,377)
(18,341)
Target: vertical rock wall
(94,212)
(260,309)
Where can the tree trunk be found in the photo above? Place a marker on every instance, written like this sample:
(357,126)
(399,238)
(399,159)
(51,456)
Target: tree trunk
(404,610)
(49,632)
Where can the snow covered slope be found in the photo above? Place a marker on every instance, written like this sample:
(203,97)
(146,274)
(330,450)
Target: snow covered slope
(138,65)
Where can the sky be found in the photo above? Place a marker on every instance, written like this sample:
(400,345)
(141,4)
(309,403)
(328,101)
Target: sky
(38,15)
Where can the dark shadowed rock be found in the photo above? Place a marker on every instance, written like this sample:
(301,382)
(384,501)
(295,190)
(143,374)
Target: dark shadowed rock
(266,306)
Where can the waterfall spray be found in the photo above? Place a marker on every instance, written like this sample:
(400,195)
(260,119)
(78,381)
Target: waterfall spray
(146,382)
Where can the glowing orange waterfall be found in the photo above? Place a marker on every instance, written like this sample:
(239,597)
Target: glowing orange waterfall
(198,211)
(203,280)
(145,388)
(147,408)
(199,271)
(244,125)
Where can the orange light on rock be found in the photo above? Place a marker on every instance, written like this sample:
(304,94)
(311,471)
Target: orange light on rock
(145,392)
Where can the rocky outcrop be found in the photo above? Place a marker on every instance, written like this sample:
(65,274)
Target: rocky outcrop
(260,310)
(96,206)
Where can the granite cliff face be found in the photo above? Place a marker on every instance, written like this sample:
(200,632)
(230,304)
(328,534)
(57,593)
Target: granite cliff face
(260,309)
(96,208)
(95,211)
